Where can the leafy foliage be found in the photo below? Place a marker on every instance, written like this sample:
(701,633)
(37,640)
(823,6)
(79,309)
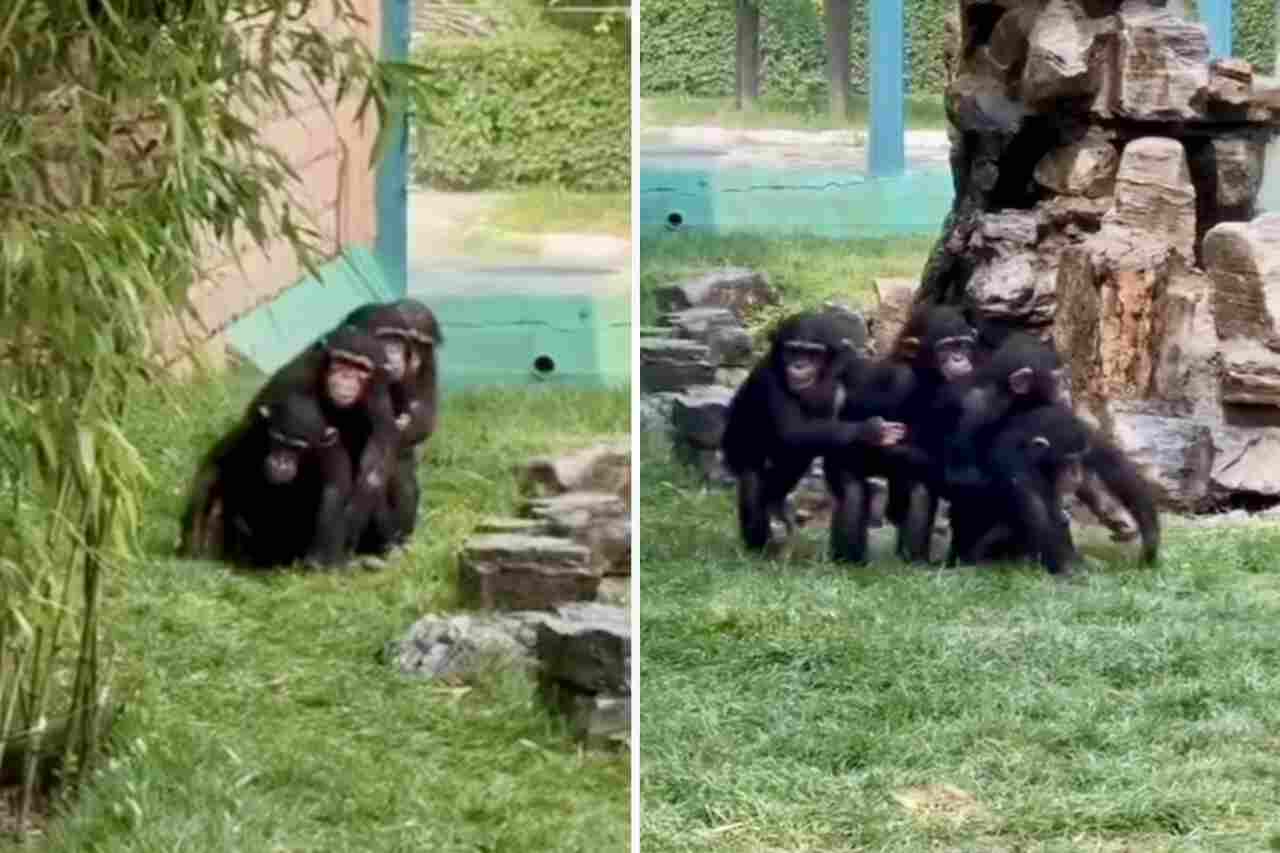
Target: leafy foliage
(128,149)
(686,46)
(528,108)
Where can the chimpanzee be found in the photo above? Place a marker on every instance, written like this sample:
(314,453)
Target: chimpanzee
(272,491)
(785,415)
(1023,373)
(932,353)
(346,374)
(409,332)
(1036,458)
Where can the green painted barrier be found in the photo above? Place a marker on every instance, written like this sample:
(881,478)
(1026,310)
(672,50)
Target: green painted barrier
(821,202)
(502,326)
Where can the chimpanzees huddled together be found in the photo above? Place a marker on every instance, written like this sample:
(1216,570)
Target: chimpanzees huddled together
(984,423)
(323,465)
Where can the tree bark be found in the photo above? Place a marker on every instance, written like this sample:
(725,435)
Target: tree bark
(838,25)
(747,70)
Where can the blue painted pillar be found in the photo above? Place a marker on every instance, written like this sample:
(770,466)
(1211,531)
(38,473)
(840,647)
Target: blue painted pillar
(886,152)
(1216,15)
(392,247)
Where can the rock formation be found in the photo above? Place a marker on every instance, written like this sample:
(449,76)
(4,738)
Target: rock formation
(1106,177)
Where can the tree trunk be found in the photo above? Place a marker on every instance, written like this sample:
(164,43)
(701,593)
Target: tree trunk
(838,24)
(747,76)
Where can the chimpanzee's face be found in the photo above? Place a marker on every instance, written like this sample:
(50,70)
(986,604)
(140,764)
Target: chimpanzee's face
(397,356)
(345,383)
(281,464)
(954,357)
(804,362)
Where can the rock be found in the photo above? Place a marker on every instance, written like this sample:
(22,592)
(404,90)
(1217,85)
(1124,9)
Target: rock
(735,288)
(518,572)
(894,298)
(1230,81)
(697,324)
(668,364)
(588,646)
(1155,201)
(732,377)
(1235,164)
(1265,97)
(1085,168)
(655,332)
(1243,261)
(1175,452)
(1061,57)
(1250,373)
(730,347)
(1161,68)
(1008,43)
(599,520)
(1247,461)
(599,468)
(455,648)
(598,720)
(523,526)
(708,462)
(1010,279)
(615,590)
(1184,342)
(655,412)
(700,413)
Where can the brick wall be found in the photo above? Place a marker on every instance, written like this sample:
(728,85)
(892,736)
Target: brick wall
(330,151)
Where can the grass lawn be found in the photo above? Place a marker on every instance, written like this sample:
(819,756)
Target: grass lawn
(802,706)
(806,270)
(259,717)
(923,112)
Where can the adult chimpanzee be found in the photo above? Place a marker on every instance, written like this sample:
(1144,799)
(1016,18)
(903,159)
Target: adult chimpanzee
(785,415)
(346,374)
(409,333)
(272,491)
(1036,458)
(932,353)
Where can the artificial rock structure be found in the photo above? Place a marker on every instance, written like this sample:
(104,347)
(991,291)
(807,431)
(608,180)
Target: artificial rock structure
(1106,178)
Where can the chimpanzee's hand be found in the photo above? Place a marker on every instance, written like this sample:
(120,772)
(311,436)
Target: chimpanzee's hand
(878,432)
(402,421)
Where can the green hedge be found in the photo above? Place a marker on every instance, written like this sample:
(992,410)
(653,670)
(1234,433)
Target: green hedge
(528,108)
(686,46)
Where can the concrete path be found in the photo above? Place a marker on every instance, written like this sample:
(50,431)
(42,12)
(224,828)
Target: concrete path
(801,149)
(443,260)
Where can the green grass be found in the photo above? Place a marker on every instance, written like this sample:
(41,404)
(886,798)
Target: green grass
(923,112)
(803,706)
(258,715)
(806,270)
(546,210)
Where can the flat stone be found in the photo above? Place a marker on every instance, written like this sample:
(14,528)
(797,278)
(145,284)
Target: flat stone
(1250,373)
(655,412)
(1011,278)
(603,467)
(732,377)
(670,364)
(1243,261)
(518,572)
(523,526)
(1084,168)
(730,347)
(589,646)
(615,590)
(697,324)
(1247,462)
(458,647)
(699,415)
(1175,452)
(599,520)
(1236,165)
(1155,199)
(735,288)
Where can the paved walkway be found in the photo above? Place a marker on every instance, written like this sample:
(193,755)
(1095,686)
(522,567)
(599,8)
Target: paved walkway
(782,149)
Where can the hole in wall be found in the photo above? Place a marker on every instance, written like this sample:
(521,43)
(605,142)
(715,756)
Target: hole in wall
(544,365)
(675,219)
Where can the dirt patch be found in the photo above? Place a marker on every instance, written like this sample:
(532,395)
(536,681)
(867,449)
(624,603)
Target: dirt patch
(941,802)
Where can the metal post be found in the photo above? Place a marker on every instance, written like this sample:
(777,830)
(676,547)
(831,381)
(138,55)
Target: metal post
(1216,15)
(392,248)
(886,153)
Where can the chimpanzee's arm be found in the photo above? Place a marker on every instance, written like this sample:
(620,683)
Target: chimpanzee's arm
(206,491)
(978,409)
(330,542)
(796,429)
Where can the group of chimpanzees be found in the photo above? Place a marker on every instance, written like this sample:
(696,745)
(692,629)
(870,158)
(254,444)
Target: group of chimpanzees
(323,465)
(985,424)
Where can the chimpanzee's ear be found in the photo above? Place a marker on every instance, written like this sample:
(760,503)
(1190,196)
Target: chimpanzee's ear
(330,436)
(908,347)
(265,411)
(1020,380)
